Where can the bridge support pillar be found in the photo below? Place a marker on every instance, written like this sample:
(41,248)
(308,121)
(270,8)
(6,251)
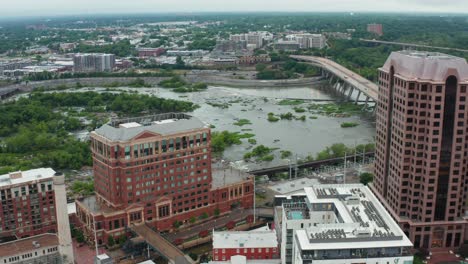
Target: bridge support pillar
(357,97)
(330,81)
(350,92)
(366,104)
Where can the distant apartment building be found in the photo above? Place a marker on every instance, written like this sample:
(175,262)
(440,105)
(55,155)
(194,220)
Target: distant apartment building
(230,46)
(150,52)
(308,41)
(34,203)
(11,65)
(225,61)
(288,45)
(256,244)
(156,170)
(337,223)
(67,46)
(375,28)
(251,60)
(42,248)
(254,40)
(183,53)
(93,62)
(421,146)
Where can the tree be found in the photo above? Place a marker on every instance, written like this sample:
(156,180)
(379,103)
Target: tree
(193,219)
(79,236)
(176,224)
(110,241)
(204,215)
(216,212)
(366,177)
(180,61)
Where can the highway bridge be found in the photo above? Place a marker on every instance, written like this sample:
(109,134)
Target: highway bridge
(342,79)
(165,248)
(310,164)
(410,45)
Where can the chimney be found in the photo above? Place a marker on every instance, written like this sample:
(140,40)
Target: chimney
(63,223)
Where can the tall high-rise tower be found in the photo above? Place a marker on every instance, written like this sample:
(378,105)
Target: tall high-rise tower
(421,145)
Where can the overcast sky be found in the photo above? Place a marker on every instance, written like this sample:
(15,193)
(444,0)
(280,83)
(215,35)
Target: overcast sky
(64,7)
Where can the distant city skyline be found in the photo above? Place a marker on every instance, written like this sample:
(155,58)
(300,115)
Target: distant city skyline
(57,7)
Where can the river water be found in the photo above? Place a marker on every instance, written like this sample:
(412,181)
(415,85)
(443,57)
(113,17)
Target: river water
(302,138)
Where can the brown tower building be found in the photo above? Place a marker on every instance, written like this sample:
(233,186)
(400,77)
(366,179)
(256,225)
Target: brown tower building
(157,170)
(422,145)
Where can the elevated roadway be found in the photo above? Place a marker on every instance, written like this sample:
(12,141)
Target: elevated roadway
(348,77)
(172,253)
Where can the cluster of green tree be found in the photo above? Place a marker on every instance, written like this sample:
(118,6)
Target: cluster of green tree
(121,49)
(221,140)
(83,188)
(366,177)
(202,44)
(36,134)
(287,70)
(261,153)
(174,82)
(178,85)
(339,149)
(285,116)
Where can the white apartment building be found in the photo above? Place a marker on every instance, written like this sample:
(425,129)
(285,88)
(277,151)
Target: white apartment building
(338,224)
(308,41)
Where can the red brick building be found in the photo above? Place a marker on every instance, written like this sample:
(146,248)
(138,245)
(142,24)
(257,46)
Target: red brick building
(375,28)
(150,52)
(421,146)
(257,244)
(27,204)
(156,169)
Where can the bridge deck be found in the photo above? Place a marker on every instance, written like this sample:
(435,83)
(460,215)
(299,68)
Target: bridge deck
(164,247)
(357,81)
(310,164)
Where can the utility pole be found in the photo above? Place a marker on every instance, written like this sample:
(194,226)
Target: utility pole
(295,172)
(344,169)
(290,172)
(254,198)
(355,152)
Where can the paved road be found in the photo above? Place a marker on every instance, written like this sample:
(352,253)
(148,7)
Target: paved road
(357,81)
(160,244)
(411,45)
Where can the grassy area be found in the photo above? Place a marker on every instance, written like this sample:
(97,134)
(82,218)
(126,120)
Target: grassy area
(252,141)
(221,140)
(349,124)
(242,122)
(272,118)
(299,110)
(290,102)
(222,106)
(260,153)
(342,110)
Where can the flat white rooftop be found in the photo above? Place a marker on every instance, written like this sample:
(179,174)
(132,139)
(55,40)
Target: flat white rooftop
(238,259)
(21,177)
(259,238)
(360,219)
(286,187)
